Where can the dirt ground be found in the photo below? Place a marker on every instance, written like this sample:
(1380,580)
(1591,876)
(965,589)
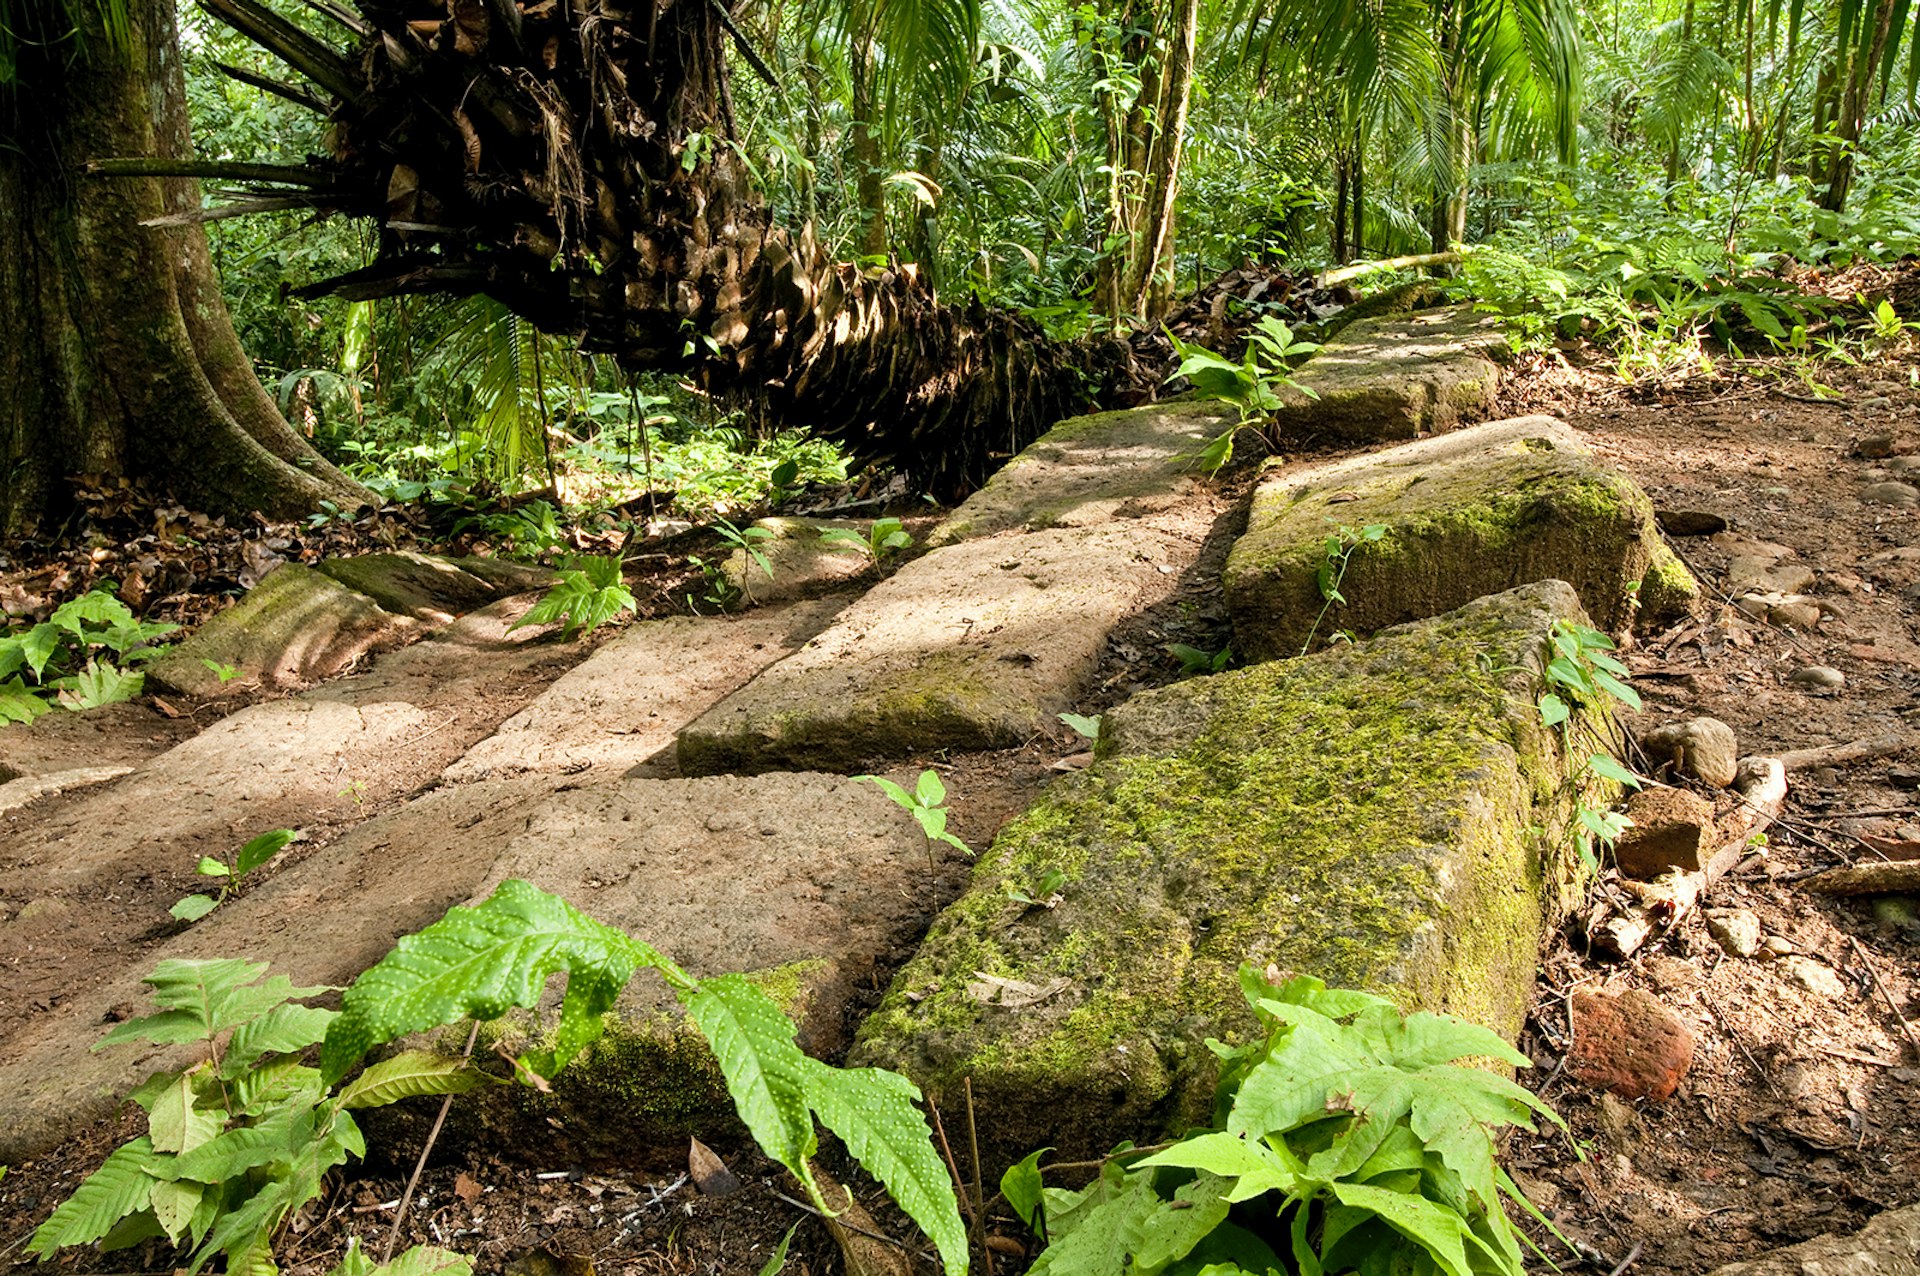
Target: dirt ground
(1800,1115)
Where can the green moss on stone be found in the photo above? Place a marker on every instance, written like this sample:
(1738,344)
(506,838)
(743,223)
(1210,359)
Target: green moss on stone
(1367,816)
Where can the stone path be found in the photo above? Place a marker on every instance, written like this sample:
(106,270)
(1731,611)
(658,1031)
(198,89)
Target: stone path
(1343,814)
(1398,376)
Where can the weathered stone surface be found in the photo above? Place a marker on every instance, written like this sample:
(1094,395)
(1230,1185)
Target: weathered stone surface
(620,707)
(295,627)
(1364,816)
(1399,376)
(27,788)
(1671,829)
(976,645)
(1889,1245)
(802,563)
(1628,1044)
(1092,469)
(1467,514)
(1736,930)
(806,880)
(1703,749)
(407,583)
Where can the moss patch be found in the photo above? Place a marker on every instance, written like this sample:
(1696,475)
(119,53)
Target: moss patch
(1373,816)
(1471,513)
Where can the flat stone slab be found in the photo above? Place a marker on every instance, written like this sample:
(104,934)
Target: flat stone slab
(809,880)
(1889,1245)
(296,627)
(802,563)
(1090,470)
(407,583)
(1469,513)
(1367,816)
(973,646)
(1398,376)
(31,788)
(621,707)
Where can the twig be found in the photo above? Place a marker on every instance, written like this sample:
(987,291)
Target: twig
(851,1227)
(1628,1260)
(1874,973)
(420,1166)
(979,1188)
(1821,816)
(953,1168)
(1878,746)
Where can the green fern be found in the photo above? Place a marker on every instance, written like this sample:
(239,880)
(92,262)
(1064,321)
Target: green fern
(589,593)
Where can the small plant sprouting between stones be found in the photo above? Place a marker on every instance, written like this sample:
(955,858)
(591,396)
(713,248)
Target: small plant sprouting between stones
(589,593)
(722,590)
(240,1141)
(1335,557)
(1347,1138)
(224,672)
(884,537)
(927,804)
(191,908)
(1194,660)
(1581,671)
(1252,386)
(78,658)
(1086,727)
(1044,893)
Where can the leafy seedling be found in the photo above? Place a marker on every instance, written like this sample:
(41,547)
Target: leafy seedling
(1581,670)
(1195,661)
(589,593)
(1088,728)
(884,536)
(192,908)
(1336,555)
(1045,892)
(927,804)
(1251,386)
(80,657)
(224,672)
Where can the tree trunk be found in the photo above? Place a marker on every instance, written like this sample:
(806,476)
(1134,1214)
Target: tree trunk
(869,177)
(572,162)
(122,360)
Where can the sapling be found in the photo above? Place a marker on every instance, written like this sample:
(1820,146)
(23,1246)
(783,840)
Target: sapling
(926,803)
(191,908)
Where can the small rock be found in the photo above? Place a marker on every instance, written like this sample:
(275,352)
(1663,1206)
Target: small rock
(1756,573)
(1756,606)
(1874,403)
(1689,522)
(1903,777)
(1671,829)
(1905,495)
(1736,930)
(1903,464)
(1876,447)
(1702,748)
(1778,945)
(1628,1044)
(1814,976)
(1797,610)
(1817,678)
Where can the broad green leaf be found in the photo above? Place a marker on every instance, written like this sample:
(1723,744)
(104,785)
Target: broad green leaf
(891,789)
(765,1072)
(176,1123)
(929,791)
(282,1030)
(1439,1231)
(263,848)
(174,1204)
(119,1187)
(1227,1155)
(1603,765)
(191,908)
(1021,1185)
(1617,689)
(407,1075)
(37,646)
(279,1137)
(94,607)
(1554,710)
(100,683)
(1100,1241)
(476,962)
(17,704)
(211,867)
(1175,1227)
(1082,725)
(873,1112)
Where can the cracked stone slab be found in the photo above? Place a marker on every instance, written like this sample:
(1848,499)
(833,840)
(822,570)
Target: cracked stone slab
(29,788)
(622,706)
(1093,469)
(1889,1245)
(1473,512)
(973,646)
(802,563)
(811,882)
(1371,816)
(1398,376)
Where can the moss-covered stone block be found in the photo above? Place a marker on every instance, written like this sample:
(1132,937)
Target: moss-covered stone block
(973,646)
(1469,513)
(1398,376)
(801,562)
(408,583)
(1093,469)
(1390,816)
(297,626)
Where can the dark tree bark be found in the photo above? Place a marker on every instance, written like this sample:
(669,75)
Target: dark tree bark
(573,159)
(121,359)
